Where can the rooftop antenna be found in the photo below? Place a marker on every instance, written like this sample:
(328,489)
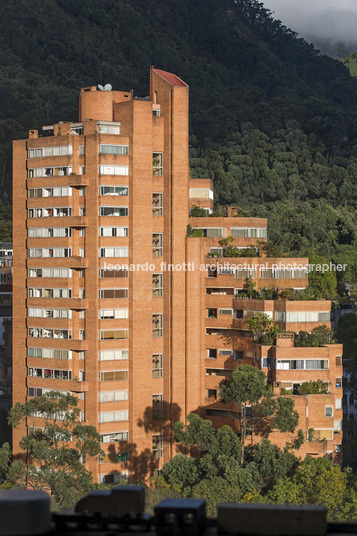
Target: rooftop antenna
(101,88)
(108,87)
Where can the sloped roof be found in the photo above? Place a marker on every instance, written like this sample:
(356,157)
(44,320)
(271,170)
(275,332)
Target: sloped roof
(170,78)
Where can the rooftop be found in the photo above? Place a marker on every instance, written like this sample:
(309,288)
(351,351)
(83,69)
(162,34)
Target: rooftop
(170,78)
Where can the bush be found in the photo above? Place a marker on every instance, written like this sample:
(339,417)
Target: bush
(313,387)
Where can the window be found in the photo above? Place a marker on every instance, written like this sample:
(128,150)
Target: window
(34,153)
(52,212)
(245,274)
(222,291)
(49,232)
(113,149)
(113,458)
(211,353)
(49,333)
(55,374)
(338,360)
(34,391)
(113,190)
(114,416)
(157,406)
(49,313)
(61,150)
(201,193)
(157,446)
(157,280)
(114,170)
(157,163)
(49,293)
(308,316)
(113,396)
(157,204)
(316,364)
(82,150)
(238,355)
(113,355)
(113,478)
(108,128)
(107,334)
(210,232)
(338,403)
(211,394)
(270,273)
(109,314)
(103,273)
(212,313)
(224,352)
(49,172)
(301,364)
(113,252)
(58,191)
(113,437)
(157,325)
(337,426)
(113,211)
(222,413)
(228,312)
(113,231)
(157,366)
(110,293)
(49,252)
(338,382)
(328,411)
(49,353)
(113,375)
(248,232)
(217,372)
(157,244)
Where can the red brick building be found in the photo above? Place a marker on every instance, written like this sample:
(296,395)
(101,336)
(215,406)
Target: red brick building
(135,341)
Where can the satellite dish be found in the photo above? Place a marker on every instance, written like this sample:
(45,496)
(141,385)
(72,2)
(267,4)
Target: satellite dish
(108,87)
(101,88)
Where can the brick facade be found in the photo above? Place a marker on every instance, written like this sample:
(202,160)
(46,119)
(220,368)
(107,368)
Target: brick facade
(115,189)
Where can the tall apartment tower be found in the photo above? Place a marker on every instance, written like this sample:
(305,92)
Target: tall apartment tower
(112,300)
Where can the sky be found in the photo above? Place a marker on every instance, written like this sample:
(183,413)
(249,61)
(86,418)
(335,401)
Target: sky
(335,20)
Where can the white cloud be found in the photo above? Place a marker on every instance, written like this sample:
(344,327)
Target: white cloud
(330,19)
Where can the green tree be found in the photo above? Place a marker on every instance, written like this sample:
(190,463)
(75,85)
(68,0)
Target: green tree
(323,284)
(318,481)
(5,462)
(210,464)
(57,451)
(259,411)
(263,327)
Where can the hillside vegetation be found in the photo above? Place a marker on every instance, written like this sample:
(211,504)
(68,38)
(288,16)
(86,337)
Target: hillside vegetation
(272,121)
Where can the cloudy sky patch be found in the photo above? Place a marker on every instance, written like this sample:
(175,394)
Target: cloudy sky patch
(335,20)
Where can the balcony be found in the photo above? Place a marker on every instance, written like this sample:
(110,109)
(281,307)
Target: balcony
(78,262)
(51,383)
(61,303)
(78,221)
(63,344)
(239,323)
(78,180)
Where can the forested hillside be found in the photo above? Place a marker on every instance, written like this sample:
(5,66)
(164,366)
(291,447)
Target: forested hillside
(272,121)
